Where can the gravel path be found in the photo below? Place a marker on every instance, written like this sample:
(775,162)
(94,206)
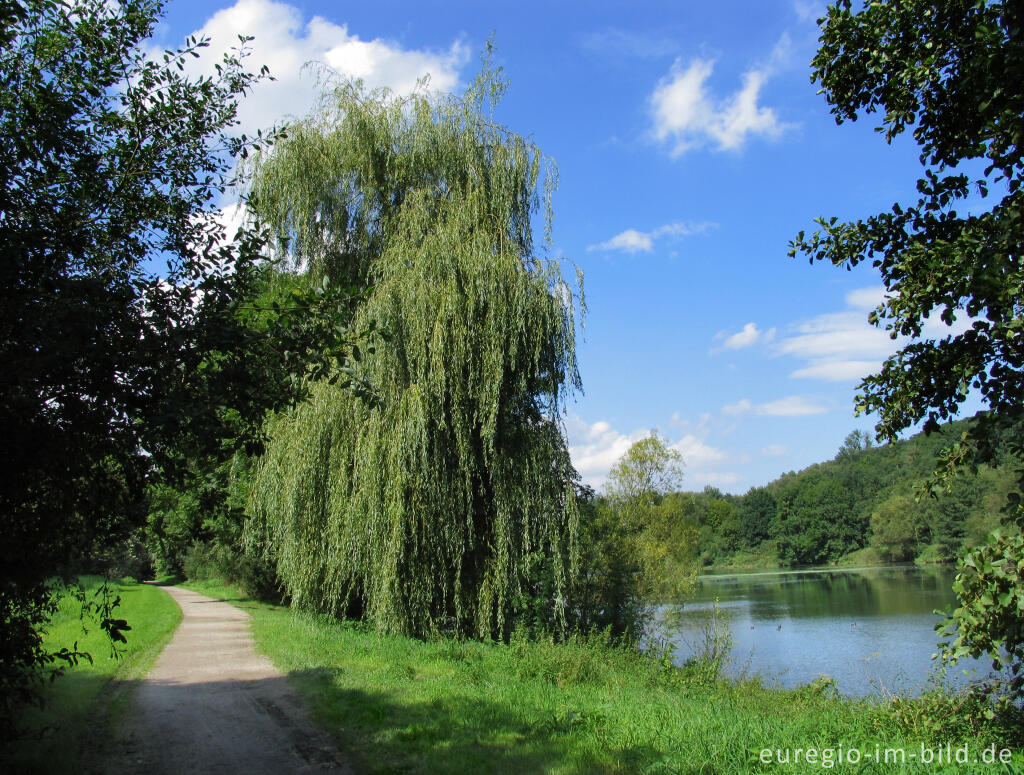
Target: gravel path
(212,705)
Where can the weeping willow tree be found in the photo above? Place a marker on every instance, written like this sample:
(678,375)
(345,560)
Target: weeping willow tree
(449,504)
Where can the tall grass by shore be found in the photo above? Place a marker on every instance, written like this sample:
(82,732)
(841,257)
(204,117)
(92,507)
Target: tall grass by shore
(397,704)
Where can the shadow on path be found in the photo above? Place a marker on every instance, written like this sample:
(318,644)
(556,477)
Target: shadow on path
(212,705)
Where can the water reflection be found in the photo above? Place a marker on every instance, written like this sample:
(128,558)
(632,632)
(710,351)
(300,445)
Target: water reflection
(871,630)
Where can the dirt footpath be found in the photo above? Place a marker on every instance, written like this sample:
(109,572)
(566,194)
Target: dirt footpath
(212,705)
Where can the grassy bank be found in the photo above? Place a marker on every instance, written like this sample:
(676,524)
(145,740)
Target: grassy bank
(753,561)
(82,704)
(402,705)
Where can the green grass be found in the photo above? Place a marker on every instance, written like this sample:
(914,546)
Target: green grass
(84,703)
(932,554)
(398,705)
(746,559)
(866,557)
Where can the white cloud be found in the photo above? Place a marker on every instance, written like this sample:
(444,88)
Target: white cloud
(232,217)
(790,406)
(844,346)
(774,450)
(865,298)
(935,328)
(808,10)
(748,336)
(743,406)
(839,346)
(285,42)
(835,336)
(629,241)
(836,371)
(678,229)
(596,447)
(782,55)
(696,454)
(633,241)
(686,115)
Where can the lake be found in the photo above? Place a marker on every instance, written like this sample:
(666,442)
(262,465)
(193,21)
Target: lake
(872,630)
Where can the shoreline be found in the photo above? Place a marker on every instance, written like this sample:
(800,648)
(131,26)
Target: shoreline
(734,572)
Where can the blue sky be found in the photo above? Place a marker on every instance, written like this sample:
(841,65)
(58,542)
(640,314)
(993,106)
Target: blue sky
(691,147)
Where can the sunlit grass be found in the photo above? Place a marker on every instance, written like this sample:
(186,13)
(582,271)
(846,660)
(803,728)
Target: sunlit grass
(82,704)
(402,705)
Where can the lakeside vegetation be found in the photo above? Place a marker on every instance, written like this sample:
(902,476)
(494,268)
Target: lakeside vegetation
(399,704)
(86,702)
(870,505)
(367,425)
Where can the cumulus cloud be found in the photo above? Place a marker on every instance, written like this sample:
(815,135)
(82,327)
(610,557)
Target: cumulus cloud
(843,346)
(696,454)
(836,334)
(686,115)
(790,406)
(839,346)
(285,41)
(774,450)
(836,370)
(628,241)
(748,336)
(232,216)
(865,298)
(633,241)
(596,447)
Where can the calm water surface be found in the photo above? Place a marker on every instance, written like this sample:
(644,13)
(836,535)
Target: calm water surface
(871,630)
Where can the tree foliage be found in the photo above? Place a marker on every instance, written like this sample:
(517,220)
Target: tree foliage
(123,346)
(296,332)
(856,441)
(817,521)
(859,499)
(757,515)
(640,544)
(896,527)
(648,471)
(449,504)
(949,72)
(989,619)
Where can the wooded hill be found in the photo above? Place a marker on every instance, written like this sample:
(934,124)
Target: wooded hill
(868,504)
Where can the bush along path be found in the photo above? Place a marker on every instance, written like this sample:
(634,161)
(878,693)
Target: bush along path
(211,704)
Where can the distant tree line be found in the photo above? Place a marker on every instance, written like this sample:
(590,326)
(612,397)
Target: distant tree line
(868,497)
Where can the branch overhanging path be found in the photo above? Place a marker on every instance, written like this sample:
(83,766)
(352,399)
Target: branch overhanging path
(211,704)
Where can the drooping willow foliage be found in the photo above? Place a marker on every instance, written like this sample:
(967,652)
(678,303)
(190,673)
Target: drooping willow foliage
(448,506)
